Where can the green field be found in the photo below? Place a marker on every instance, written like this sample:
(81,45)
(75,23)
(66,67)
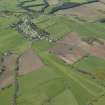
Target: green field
(57,83)
(8,5)
(10,39)
(56,24)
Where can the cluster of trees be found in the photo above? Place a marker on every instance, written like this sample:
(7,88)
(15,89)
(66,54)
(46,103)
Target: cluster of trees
(2,67)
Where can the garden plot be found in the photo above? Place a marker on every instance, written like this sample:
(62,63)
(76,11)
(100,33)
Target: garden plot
(72,49)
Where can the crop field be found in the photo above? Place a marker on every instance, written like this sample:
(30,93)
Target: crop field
(29,30)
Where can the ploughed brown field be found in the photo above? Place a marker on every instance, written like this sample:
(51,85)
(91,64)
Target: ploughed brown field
(8,64)
(86,12)
(28,62)
(72,48)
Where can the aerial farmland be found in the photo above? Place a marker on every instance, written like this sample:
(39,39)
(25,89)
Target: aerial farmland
(52,52)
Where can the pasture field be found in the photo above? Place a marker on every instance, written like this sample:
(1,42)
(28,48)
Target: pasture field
(8,5)
(52,80)
(56,83)
(18,46)
(93,65)
(93,62)
(56,24)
